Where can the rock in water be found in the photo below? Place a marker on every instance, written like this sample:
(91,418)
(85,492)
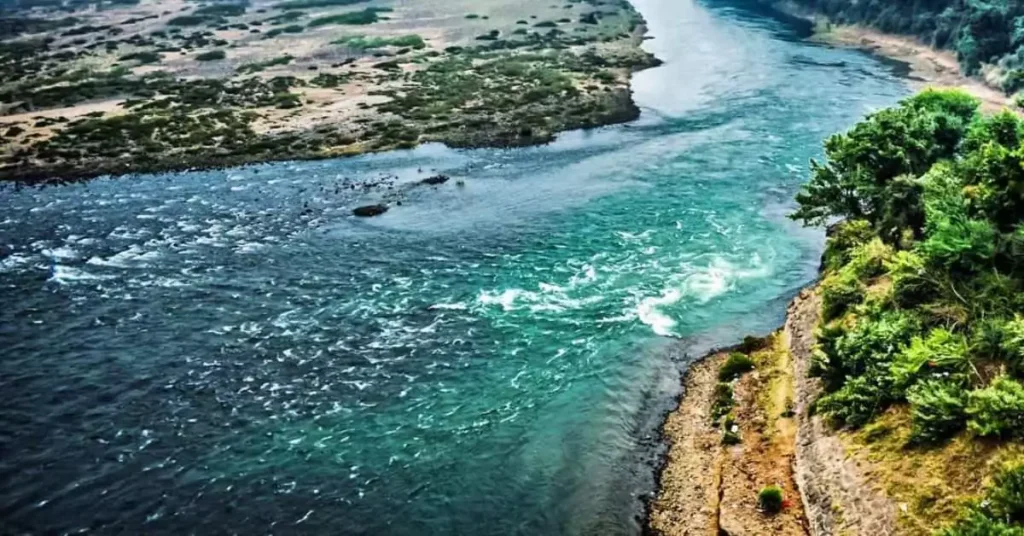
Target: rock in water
(436,179)
(370,211)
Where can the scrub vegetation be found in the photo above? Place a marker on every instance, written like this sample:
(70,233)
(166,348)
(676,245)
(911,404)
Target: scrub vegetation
(195,84)
(922,294)
(985,35)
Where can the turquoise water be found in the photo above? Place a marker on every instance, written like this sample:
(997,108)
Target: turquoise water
(231,352)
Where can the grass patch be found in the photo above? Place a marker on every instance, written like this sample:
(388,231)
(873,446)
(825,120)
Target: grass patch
(366,16)
(311,4)
(213,55)
(361,42)
(261,65)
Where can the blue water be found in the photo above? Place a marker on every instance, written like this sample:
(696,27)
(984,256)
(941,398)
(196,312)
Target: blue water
(232,352)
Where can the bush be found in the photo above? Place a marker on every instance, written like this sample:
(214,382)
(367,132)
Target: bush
(722,402)
(978,524)
(839,291)
(938,410)
(997,410)
(734,367)
(213,55)
(940,352)
(1011,343)
(843,237)
(1005,500)
(730,433)
(857,402)
(770,499)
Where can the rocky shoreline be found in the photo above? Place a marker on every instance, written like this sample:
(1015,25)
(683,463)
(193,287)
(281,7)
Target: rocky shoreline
(708,484)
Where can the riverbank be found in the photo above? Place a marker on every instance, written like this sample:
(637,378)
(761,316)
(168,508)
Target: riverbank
(722,454)
(927,66)
(196,87)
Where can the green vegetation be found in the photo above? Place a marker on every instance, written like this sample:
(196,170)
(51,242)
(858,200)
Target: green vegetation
(980,32)
(142,57)
(735,366)
(188,20)
(311,4)
(923,278)
(261,65)
(221,10)
(770,499)
(1000,513)
(366,16)
(362,43)
(213,55)
(723,401)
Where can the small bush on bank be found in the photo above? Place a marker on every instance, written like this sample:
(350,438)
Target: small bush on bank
(997,410)
(213,55)
(770,499)
(722,402)
(938,410)
(735,366)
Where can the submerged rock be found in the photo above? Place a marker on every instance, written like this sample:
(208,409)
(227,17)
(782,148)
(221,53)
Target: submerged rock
(369,211)
(436,179)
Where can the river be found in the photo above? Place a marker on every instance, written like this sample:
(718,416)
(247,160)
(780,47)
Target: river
(232,352)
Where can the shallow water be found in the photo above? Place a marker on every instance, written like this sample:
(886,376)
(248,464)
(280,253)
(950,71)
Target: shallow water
(231,351)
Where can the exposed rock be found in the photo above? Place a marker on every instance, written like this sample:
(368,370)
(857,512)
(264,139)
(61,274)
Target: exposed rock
(837,496)
(369,211)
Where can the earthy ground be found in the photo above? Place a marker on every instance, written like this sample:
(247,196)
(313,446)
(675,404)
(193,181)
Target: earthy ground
(868,482)
(708,487)
(928,67)
(141,85)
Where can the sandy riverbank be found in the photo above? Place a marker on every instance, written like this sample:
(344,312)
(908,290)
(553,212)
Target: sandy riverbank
(928,66)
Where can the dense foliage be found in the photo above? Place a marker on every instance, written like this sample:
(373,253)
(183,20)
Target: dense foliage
(921,295)
(979,31)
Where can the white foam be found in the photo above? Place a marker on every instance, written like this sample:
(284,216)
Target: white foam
(648,313)
(12,261)
(457,306)
(61,253)
(67,274)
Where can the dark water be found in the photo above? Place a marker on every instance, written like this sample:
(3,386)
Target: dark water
(231,352)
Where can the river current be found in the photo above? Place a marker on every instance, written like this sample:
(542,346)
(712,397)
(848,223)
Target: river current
(232,352)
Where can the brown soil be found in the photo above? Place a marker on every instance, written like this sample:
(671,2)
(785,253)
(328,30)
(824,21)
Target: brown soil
(687,502)
(708,488)
(929,67)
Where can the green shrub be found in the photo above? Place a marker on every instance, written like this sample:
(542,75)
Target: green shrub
(722,401)
(770,499)
(366,16)
(911,282)
(187,20)
(997,410)
(938,410)
(839,291)
(857,402)
(843,237)
(940,352)
(213,55)
(310,4)
(735,366)
(730,432)
(1011,343)
(142,57)
(1005,499)
(976,523)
